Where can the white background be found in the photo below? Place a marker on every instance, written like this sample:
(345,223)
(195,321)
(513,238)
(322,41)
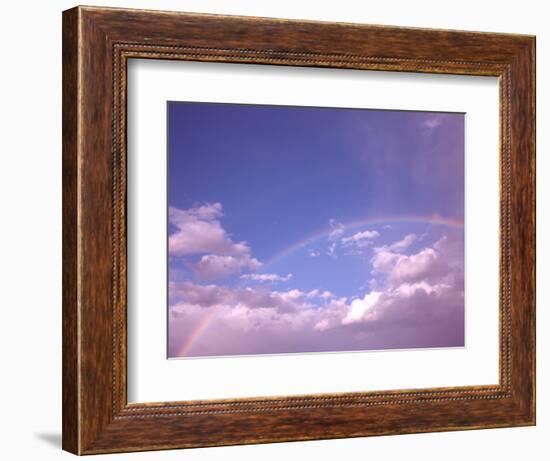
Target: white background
(30,243)
(153,378)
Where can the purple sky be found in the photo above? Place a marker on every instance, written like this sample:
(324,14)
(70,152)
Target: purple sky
(300,229)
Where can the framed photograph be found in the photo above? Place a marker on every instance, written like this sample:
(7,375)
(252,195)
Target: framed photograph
(281,230)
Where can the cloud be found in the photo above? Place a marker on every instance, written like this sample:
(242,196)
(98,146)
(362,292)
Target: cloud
(199,232)
(220,266)
(422,265)
(360,239)
(320,294)
(360,307)
(360,236)
(433,122)
(353,243)
(418,301)
(404,243)
(267,277)
(426,264)
(337,229)
(383,260)
(313,254)
(386,256)
(250,298)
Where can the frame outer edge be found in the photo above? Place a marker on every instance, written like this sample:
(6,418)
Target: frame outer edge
(70,178)
(534,213)
(523,242)
(91,419)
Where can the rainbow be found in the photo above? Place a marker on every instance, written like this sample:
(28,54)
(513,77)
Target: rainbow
(313,237)
(351,225)
(199,328)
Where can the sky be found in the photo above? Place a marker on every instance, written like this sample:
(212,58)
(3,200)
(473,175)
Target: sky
(306,229)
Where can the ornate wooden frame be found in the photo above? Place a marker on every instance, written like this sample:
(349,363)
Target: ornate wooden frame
(97,43)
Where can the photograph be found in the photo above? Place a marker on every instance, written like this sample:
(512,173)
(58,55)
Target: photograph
(298,229)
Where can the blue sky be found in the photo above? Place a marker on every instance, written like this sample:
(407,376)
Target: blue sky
(312,195)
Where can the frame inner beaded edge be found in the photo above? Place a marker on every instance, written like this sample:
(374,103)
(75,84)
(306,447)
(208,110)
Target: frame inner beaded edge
(121,409)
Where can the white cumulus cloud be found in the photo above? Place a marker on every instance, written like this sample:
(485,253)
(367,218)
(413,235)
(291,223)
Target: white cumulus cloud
(267,277)
(336,229)
(360,239)
(199,232)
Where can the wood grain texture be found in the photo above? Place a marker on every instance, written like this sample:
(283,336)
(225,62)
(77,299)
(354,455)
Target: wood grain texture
(97,43)
(70,383)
